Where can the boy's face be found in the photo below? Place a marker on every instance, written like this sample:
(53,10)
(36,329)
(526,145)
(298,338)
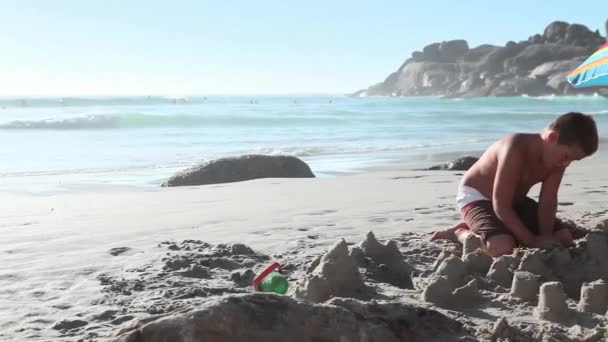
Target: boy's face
(559,155)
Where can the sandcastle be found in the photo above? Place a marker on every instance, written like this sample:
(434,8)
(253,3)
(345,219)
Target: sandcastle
(552,302)
(501,270)
(471,243)
(594,297)
(477,262)
(545,278)
(336,273)
(383,263)
(447,285)
(525,286)
(543,284)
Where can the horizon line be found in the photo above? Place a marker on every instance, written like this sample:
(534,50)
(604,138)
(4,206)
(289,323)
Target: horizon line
(167,95)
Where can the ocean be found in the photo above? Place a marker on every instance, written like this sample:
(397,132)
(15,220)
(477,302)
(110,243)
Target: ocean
(74,144)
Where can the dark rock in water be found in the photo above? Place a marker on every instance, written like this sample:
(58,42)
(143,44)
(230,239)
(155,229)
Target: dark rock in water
(270,317)
(451,69)
(460,164)
(243,168)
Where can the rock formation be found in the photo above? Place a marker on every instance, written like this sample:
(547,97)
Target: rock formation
(536,66)
(242,168)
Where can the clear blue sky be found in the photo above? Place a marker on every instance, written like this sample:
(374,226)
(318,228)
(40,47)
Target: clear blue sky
(60,47)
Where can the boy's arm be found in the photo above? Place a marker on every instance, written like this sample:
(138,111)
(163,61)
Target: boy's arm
(547,204)
(510,163)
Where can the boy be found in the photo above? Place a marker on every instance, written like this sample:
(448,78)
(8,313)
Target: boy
(492,196)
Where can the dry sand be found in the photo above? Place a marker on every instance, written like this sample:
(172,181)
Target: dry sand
(91,265)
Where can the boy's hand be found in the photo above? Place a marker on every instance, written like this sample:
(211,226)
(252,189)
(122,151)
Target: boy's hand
(545,241)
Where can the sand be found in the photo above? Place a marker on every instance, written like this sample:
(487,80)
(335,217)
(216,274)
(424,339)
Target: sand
(101,264)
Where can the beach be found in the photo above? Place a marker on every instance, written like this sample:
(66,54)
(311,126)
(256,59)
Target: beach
(268,172)
(95,250)
(73,256)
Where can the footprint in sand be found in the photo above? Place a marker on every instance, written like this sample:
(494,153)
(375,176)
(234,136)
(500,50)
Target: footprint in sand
(402,219)
(426,211)
(565,204)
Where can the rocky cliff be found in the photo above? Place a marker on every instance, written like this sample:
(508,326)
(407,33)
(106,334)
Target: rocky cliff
(537,66)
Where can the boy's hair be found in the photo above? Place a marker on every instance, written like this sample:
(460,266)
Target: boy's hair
(576,129)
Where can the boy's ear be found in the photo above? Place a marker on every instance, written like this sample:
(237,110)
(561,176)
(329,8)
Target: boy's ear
(553,137)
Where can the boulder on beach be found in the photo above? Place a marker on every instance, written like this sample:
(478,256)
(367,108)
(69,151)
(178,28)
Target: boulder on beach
(460,164)
(236,169)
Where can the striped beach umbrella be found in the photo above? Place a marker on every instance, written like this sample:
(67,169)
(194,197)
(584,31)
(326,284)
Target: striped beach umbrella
(593,71)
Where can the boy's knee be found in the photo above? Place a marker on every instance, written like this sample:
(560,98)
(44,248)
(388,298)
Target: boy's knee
(499,245)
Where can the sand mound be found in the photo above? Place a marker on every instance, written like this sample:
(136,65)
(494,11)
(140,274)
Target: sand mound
(192,269)
(269,317)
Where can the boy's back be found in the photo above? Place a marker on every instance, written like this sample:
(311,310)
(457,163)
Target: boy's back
(529,171)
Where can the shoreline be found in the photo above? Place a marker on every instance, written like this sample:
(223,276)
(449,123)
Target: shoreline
(364,163)
(392,163)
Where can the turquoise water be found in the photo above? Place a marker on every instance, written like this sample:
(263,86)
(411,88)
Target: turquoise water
(74,143)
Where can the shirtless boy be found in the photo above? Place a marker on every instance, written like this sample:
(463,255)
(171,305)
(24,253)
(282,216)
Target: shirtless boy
(492,196)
